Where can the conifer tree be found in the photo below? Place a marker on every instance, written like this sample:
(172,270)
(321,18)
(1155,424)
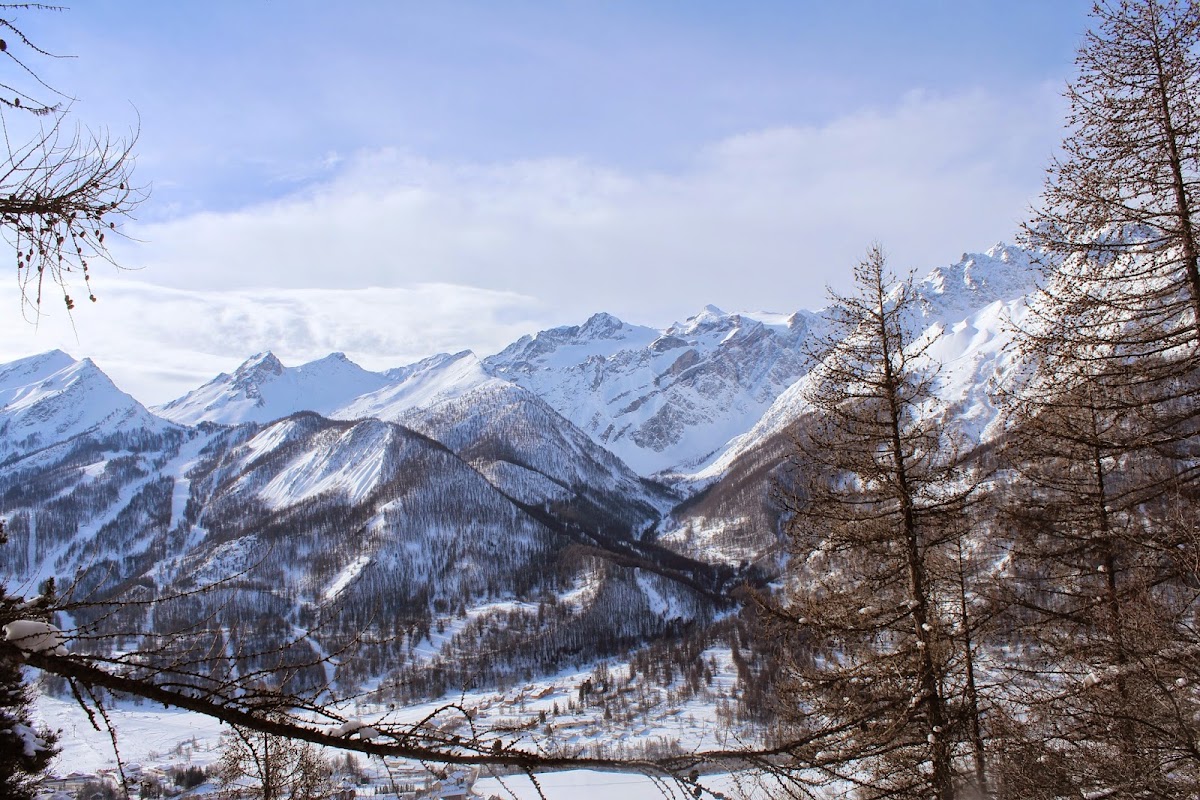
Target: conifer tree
(1105,428)
(876,609)
(1120,203)
(1117,223)
(25,748)
(1103,595)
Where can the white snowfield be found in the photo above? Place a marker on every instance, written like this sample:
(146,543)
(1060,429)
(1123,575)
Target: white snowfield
(146,735)
(150,735)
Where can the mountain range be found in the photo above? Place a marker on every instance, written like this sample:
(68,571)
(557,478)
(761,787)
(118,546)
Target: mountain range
(609,477)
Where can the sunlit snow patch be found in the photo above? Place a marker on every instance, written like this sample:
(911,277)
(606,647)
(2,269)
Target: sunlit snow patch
(349,573)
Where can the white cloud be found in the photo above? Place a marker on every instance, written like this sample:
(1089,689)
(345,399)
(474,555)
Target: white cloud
(158,343)
(474,255)
(765,219)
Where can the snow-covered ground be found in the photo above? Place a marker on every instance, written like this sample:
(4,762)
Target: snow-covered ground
(146,734)
(544,715)
(590,785)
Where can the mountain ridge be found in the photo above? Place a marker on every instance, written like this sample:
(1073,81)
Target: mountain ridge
(668,402)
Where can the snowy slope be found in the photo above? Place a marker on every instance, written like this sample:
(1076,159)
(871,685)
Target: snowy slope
(661,400)
(262,390)
(347,461)
(969,308)
(954,292)
(51,397)
(514,438)
(16,377)
(421,385)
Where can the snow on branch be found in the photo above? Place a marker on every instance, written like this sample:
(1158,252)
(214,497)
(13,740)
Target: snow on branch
(33,636)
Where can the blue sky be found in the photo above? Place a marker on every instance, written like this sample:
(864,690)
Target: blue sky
(493,168)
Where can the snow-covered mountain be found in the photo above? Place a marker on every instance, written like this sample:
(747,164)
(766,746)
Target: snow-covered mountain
(457,483)
(375,527)
(685,401)
(956,291)
(662,400)
(262,390)
(532,453)
(51,398)
(968,308)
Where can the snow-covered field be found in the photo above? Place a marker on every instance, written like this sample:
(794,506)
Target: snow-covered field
(544,715)
(589,785)
(146,735)
(150,736)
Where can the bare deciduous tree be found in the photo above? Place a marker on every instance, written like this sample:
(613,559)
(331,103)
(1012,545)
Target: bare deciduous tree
(1105,431)
(1119,212)
(275,766)
(64,190)
(876,610)
(1103,596)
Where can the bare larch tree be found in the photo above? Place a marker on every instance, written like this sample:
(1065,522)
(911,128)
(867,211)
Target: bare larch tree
(877,681)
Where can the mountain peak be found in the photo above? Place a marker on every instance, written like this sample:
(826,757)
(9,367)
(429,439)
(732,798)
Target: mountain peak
(706,320)
(47,362)
(1003,272)
(88,367)
(1009,254)
(51,397)
(601,326)
(262,389)
(16,376)
(261,363)
(334,363)
(658,399)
